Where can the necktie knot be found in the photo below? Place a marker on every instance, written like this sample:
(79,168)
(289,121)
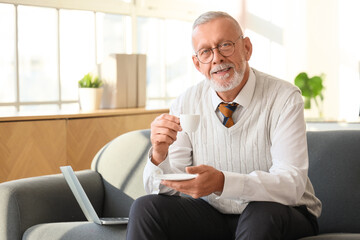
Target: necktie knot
(227,110)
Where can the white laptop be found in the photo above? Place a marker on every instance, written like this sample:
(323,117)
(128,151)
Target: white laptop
(84,201)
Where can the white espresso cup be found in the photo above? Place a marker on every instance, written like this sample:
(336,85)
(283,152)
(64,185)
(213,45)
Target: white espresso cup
(189,122)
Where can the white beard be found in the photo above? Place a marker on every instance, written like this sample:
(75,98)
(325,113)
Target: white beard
(223,86)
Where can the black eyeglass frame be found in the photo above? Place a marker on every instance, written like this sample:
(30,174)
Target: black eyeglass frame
(217,47)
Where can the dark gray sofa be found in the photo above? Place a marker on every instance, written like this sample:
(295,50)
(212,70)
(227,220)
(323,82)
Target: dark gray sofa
(334,170)
(44,208)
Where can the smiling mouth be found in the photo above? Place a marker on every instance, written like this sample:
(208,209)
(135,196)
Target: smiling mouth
(222,70)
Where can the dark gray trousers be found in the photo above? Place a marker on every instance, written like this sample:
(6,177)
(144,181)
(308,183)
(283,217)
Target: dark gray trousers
(160,217)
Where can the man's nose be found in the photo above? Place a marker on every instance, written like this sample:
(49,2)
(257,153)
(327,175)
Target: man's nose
(218,58)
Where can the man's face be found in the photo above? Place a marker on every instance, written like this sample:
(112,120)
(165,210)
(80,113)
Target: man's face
(221,70)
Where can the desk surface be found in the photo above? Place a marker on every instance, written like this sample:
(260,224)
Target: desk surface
(28,116)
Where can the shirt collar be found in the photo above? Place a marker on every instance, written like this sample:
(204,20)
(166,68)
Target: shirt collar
(244,96)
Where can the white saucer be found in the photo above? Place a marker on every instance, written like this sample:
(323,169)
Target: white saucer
(177,176)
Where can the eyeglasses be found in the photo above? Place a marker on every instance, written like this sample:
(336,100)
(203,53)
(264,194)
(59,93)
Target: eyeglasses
(226,49)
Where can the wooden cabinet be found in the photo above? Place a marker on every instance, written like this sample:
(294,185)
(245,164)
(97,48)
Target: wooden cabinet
(39,145)
(31,148)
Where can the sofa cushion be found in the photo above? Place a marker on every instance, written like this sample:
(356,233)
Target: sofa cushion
(334,170)
(75,230)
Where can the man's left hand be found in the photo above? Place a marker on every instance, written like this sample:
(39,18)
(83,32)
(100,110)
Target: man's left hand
(209,180)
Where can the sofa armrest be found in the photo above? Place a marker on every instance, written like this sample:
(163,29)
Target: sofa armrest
(121,163)
(30,201)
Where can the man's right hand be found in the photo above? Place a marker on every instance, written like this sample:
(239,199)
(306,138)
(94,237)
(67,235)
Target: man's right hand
(163,133)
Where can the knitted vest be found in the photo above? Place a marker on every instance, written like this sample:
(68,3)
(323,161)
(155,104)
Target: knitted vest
(248,141)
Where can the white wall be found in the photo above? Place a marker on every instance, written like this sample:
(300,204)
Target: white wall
(349,69)
(322,36)
(323,49)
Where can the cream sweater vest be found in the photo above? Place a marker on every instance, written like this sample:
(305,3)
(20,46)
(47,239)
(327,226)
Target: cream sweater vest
(245,147)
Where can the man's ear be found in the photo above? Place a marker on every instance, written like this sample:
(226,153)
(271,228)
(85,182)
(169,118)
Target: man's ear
(248,48)
(196,62)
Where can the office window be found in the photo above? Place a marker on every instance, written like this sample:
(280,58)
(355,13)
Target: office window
(178,59)
(55,49)
(77,49)
(38,73)
(150,42)
(7,56)
(167,44)
(57,46)
(60,42)
(113,34)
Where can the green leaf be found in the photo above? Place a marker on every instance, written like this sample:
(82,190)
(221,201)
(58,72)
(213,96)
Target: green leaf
(88,81)
(311,88)
(301,79)
(316,86)
(302,82)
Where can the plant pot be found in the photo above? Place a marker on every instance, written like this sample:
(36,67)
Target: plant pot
(90,98)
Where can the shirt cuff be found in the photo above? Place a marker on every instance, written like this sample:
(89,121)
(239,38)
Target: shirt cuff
(233,185)
(151,171)
(163,167)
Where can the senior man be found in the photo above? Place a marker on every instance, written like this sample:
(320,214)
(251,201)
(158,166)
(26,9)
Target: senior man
(249,152)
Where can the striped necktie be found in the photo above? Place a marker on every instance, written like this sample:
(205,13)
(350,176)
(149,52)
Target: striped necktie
(227,110)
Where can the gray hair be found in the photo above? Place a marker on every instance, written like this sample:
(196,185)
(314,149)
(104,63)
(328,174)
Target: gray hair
(211,15)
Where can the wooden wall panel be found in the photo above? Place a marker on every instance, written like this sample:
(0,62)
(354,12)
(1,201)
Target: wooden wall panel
(85,137)
(31,148)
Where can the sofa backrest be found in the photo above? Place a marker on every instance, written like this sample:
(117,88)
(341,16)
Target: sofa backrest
(121,163)
(334,170)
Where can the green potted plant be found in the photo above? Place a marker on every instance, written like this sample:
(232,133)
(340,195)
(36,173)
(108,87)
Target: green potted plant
(311,89)
(90,92)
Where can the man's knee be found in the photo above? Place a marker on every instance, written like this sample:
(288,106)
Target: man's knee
(143,205)
(266,209)
(262,219)
(268,213)
(152,205)
(270,220)
(146,219)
